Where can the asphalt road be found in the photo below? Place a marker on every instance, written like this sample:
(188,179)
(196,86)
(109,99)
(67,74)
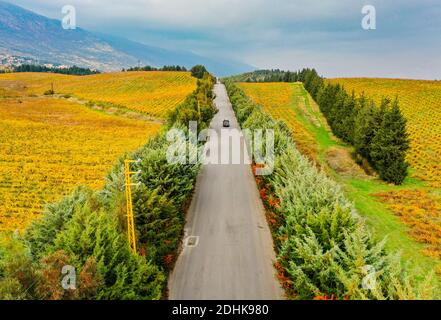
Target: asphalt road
(229,254)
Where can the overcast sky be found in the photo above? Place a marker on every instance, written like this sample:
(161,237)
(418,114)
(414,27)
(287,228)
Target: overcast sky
(289,34)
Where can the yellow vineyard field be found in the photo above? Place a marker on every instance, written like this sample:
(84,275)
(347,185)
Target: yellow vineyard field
(421,211)
(151,93)
(277,99)
(420,102)
(49,146)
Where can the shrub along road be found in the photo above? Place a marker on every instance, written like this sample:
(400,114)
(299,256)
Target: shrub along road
(233,255)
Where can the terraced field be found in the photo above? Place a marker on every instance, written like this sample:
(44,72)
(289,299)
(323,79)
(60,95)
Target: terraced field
(151,93)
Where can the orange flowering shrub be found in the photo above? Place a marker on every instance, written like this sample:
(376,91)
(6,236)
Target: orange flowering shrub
(284,279)
(168,260)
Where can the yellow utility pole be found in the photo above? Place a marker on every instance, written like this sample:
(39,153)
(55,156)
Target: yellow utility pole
(130,218)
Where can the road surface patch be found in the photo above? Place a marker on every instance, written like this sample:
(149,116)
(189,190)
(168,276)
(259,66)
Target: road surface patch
(192,241)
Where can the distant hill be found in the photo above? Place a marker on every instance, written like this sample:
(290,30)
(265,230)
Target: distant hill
(24,33)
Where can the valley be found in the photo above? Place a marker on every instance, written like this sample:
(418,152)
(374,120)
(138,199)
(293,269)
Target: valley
(146,154)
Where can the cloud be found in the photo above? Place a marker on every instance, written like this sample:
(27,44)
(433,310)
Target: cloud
(261,30)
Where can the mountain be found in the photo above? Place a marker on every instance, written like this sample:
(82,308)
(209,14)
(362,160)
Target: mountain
(24,33)
(154,56)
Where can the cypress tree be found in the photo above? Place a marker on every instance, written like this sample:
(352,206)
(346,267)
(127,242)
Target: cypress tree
(389,146)
(198,71)
(364,129)
(344,118)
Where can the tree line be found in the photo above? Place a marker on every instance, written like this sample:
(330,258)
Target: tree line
(164,68)
(273,75)
(376,131)
(197,71)
(73,70)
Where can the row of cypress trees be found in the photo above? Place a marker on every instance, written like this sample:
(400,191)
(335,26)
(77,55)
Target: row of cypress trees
(377,132)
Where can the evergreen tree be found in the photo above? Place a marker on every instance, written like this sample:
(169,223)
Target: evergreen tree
(198,71)
(347,118)
(124,274)
(343,116)
(73,70)
(159,224)
(364,130)
(389,146)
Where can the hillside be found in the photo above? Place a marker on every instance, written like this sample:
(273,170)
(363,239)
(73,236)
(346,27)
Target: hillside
(26,34)
(418,206)
(150,93)
(312,205)
(61,168)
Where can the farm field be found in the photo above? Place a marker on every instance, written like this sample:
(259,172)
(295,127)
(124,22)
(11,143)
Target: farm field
(279,106)
(420,102)
(150,93)
(49,146)
(416,205)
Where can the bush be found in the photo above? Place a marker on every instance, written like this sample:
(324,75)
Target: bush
(42,232)
(197,107)
(198,71)
(17,271)
(159,201)
(94,234)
